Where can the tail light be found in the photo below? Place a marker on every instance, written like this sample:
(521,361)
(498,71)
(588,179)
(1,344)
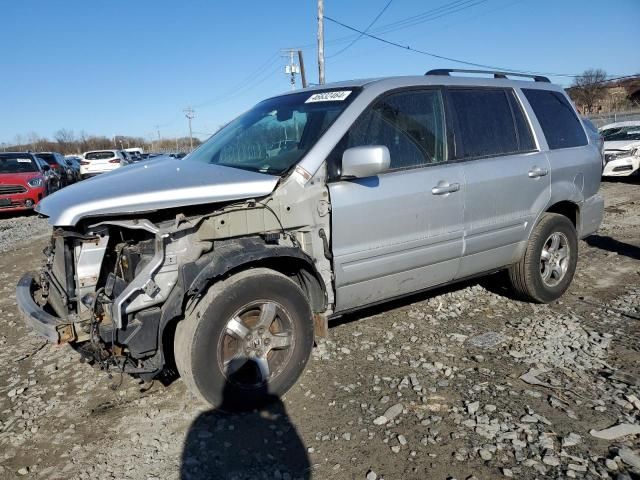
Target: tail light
(115,160)
(85,162)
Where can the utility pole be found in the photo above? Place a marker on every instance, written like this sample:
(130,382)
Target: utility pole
(291,68)
(321,42)
(189,113)
(303,75)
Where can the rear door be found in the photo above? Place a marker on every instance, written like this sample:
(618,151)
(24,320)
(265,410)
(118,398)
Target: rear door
(400,231)
(507,177)
(575,163)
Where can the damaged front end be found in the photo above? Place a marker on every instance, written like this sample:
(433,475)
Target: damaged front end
(103,289)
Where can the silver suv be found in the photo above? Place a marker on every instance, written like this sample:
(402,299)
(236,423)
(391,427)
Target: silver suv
(312,204)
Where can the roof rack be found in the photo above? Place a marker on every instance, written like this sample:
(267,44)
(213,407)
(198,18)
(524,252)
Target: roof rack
(496,74)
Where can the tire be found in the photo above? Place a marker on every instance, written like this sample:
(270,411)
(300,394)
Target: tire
(540,281)
(225,354)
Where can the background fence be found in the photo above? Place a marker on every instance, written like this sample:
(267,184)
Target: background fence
(602,119)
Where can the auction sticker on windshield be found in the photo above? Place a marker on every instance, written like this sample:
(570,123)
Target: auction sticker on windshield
(328,96)
(24,160)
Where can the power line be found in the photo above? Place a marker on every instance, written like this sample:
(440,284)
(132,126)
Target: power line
(264,66)
(453,7)
(456,23)
(442,57)
(247,84)
(446,9)
(366,30)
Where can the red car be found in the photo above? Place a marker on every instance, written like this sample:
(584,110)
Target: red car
(23,182)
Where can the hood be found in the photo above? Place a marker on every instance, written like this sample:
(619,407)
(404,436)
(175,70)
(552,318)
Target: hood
(152,186)
(621,144)
(18,177)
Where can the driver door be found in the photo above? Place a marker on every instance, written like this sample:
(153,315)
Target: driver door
(400,231)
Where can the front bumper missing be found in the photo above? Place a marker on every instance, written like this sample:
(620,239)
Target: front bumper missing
(49,326)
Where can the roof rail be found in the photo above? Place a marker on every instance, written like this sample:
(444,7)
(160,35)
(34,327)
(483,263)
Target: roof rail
(496,74)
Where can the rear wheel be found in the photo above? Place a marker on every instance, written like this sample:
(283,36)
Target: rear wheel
(247,341)
(547,267)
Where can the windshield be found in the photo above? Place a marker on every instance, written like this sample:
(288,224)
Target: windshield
(275,134)
(621,133)
(17,163)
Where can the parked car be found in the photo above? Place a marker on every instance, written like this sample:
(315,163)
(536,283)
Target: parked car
(127,159)
(393,186)
(621,149)
(73,162)
(100,161)
(22,181)
(52,178)
(594,135)
(58,166)
(135,153)
(72,168)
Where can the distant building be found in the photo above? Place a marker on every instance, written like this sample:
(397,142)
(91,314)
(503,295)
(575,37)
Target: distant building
(619,95)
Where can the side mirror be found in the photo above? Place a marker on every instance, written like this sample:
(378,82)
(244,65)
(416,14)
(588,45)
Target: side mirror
(46,168)
(366,161)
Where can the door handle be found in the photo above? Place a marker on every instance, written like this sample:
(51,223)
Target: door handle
(536,172)
(445,188)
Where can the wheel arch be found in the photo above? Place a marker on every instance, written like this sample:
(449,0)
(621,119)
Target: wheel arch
(569,209)
(231,257)
(566,208)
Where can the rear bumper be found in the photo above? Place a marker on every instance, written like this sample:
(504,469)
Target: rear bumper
(48,326)
(88,171)
(591,215)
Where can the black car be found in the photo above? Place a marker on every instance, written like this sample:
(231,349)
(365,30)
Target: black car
(73,163)
(58,165)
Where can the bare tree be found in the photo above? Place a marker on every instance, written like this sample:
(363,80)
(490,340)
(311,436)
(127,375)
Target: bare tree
(34,141)
(588,88)
(66,140)
(18,139)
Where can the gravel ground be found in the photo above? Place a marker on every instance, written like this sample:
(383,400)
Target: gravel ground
(17,231)
(463,382)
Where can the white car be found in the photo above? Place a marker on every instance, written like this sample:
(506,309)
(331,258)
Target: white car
(621,149)
(99,161)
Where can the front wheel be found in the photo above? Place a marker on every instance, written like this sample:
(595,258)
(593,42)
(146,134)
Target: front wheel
(547,267)
(247,341)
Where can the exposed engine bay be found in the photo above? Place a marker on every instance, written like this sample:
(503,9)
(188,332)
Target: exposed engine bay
(114,285)
(107,286)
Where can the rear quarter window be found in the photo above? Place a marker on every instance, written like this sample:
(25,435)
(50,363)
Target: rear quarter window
(558,120)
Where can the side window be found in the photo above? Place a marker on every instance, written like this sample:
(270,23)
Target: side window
(485,121)
(557,118)
(410,124)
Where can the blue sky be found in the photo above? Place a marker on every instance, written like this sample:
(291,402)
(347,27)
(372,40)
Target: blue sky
(122,66)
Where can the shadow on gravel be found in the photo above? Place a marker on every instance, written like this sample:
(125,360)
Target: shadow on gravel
(250,445)
(392,304)
(632,179)
(16,215)
(612,245)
